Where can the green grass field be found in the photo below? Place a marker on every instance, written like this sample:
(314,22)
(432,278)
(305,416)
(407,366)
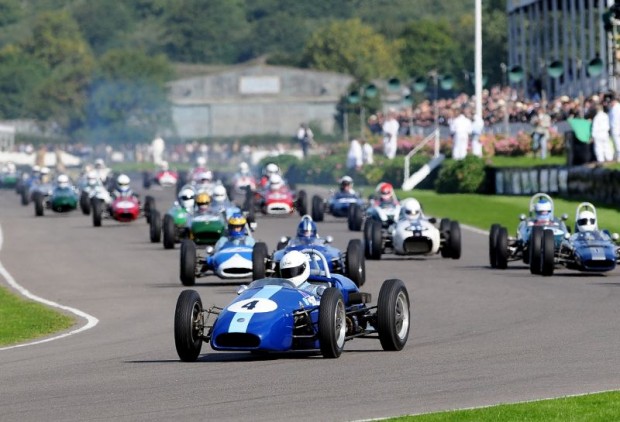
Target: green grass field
(601,407)
(23,320)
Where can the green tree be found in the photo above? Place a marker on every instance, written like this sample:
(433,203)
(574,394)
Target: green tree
(353,48)
(209,32)
(430,45)
(57,43)
(10,12)
(103,22)
(20,76)
(127,101)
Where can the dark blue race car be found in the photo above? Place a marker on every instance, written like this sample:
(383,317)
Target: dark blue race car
(272,315)
(338,205)
(588,250)
(351,263)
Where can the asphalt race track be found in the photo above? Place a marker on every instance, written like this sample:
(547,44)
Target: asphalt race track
(478,336)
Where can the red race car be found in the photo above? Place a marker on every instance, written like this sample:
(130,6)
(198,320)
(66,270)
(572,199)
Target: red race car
(123,209)
(278,199)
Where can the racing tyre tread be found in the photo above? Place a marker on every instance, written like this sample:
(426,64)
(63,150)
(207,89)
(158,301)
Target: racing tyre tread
(332,323)
(85,203)
(169,231)
(547,253)
(393,315)
(39,208)
(188,263)
(97,206)
(501,249)
(259,257)
(155,227)
(492,242)
(455,240)
(318,208)
(186,338)
(535,250)
(302,203)
(355,218)
(355,262)
(375,240)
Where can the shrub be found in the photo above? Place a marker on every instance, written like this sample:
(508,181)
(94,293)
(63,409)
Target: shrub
(461,176)
(284,161)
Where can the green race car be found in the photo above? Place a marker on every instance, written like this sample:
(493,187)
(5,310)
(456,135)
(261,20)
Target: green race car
(173,226)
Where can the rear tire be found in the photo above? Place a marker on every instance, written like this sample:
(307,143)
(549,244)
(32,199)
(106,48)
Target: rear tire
(393,315)
(170,232)
(332,323)
(259,258)
(188,263)
(455,240)
(373,239)
(355,262)
(149,204)
(186,337)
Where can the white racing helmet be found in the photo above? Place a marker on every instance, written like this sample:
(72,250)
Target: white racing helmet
(186,198)
(219,194)
(244,168)
(92,178)
(62,181)
(275,182)
(295,267)
(586,221)
(122,183)
(412,208)
(272,168)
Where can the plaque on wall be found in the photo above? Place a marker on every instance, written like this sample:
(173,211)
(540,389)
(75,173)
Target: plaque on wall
(259,85)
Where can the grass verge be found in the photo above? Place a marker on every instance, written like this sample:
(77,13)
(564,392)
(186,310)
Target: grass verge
(27,320)
(600,407)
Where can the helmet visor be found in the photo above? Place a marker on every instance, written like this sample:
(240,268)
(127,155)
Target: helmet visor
(293,271)
(585,221)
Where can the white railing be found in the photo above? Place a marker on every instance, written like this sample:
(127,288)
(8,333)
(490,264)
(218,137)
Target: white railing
(433,135)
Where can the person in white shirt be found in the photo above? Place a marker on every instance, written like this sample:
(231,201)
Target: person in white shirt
(390,134)
(614,122)
(477,128)
(462,128)
(600,135)
(367,153)
(354,156)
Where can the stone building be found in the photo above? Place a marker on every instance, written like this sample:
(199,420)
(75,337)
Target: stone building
(255,99)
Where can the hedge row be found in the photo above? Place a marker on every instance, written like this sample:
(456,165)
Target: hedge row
(465,176)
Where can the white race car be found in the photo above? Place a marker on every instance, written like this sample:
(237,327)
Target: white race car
(413,233)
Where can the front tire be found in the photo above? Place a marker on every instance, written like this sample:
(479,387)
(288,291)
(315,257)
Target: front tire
(187,335)
(393,315)
(170,232)
(85,203)
(373,238)
(302,203)
(149,204)
(455,240)
(188,263)
(259,258)
(97,212)
(355,262)
(38,204)
(501,249)
(155,227)
(492,241)
(318,208)
(535,250)
(548,253)
(332,323)
(355,218)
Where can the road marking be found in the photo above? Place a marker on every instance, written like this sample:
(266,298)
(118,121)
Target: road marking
(91,321)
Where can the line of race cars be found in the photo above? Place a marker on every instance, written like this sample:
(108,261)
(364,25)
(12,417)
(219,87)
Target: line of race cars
(327,308)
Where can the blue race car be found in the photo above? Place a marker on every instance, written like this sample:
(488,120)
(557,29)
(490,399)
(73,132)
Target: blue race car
(351,263)
(588,249)
(231,257)
(526,245)
(272,315)
(339,203)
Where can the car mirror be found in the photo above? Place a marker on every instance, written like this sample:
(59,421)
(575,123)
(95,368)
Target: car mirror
(564,217)
(329,239)
(567,235)
(242,289)
(615,236)
(522,217)
(283,239)
(209,250)
(432,220)
(253,225)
